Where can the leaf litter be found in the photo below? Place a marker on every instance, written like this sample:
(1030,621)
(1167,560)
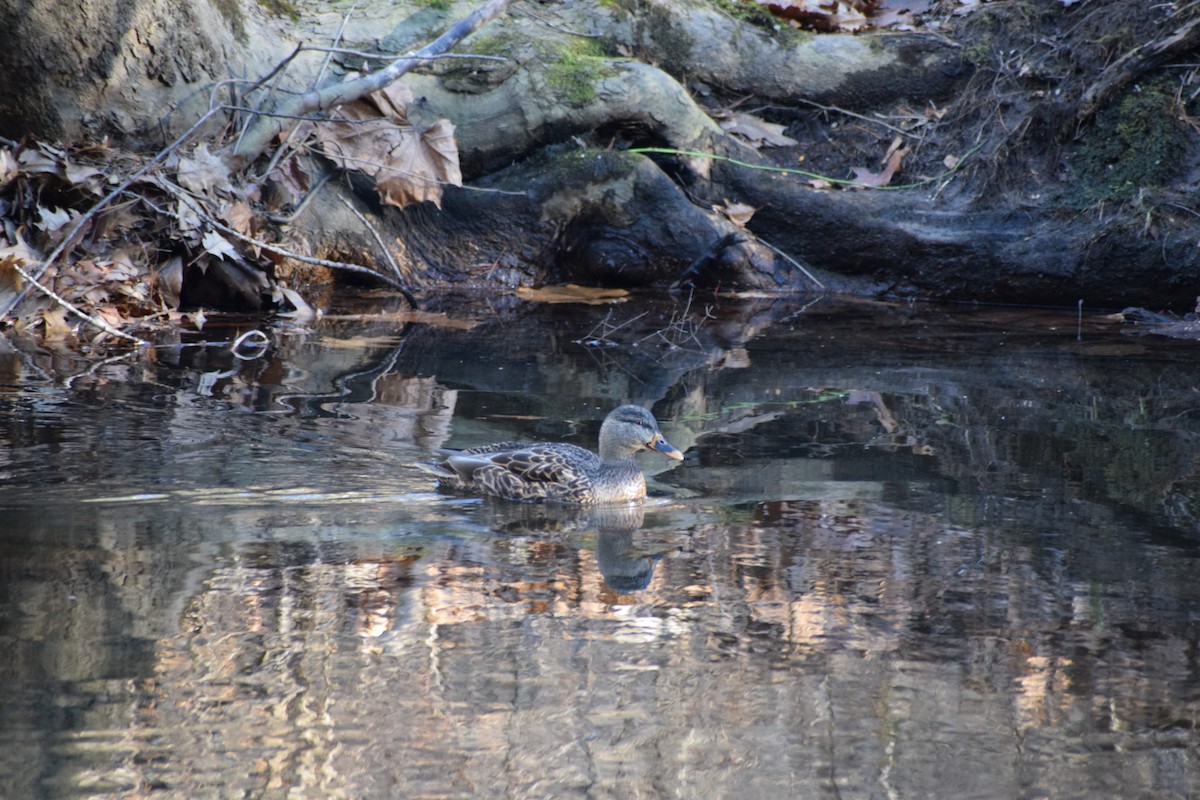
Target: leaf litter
(188,221)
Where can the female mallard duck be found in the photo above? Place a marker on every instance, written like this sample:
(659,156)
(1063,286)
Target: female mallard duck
(562,473)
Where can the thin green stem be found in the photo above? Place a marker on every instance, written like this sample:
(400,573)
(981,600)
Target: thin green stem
(670,151)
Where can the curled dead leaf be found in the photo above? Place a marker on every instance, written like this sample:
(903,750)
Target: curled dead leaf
(737,213)
(373,136)
(168,279)
(301,310)
(33,160)
(757,132)
(865,178)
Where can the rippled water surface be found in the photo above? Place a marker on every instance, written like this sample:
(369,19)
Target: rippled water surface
(911,553)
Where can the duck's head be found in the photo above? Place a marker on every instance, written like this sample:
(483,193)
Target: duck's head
(627,429)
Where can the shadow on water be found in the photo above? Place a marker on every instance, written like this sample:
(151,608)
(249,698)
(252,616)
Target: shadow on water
(911,552)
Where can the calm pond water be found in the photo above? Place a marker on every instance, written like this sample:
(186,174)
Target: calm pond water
(911,553)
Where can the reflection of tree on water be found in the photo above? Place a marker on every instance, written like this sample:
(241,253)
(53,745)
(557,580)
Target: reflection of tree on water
(625,567)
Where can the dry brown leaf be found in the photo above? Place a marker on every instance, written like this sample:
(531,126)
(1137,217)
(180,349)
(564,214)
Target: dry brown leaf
(52,219)
(219,246)
(292,181)
(21,252)
(111,315)
(573,293)
(238,216)
(204,172)
(757,132)
(33,160)
(737,213)
(123,263)
(186,217)
(9,168)
(897,143)
(372,135)
(10,280)
(419,171)
(114,219)
(864,177)
(84,176)
(357,342)
(55,323)
(168,280)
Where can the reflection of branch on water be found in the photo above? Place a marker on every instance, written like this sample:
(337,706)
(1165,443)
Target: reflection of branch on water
(347,385)
(680,330)
(605,362)
(601,333)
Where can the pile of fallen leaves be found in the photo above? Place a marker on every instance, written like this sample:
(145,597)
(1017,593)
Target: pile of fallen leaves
(121,261)
(129,243)
(848,16)
(857,16)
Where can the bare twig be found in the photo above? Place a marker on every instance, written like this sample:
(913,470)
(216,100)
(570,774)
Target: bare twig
(277,70)
(288,219)
(604,337)
(74,309)
(92,369)
(195,206)
(392,57)
(863,117)
(387,253)
(267,128)
(558,28)
(793,261)
(1126,69)
(286,146)
(101,203)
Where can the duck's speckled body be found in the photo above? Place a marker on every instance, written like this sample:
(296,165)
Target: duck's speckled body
(559,472)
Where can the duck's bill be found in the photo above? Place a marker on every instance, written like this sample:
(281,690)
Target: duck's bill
(661,445)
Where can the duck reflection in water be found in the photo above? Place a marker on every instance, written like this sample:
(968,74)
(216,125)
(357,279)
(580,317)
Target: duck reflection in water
(625,567)
(558,472)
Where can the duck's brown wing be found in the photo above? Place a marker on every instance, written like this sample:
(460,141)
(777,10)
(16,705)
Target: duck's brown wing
(557,463)
(530,472)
